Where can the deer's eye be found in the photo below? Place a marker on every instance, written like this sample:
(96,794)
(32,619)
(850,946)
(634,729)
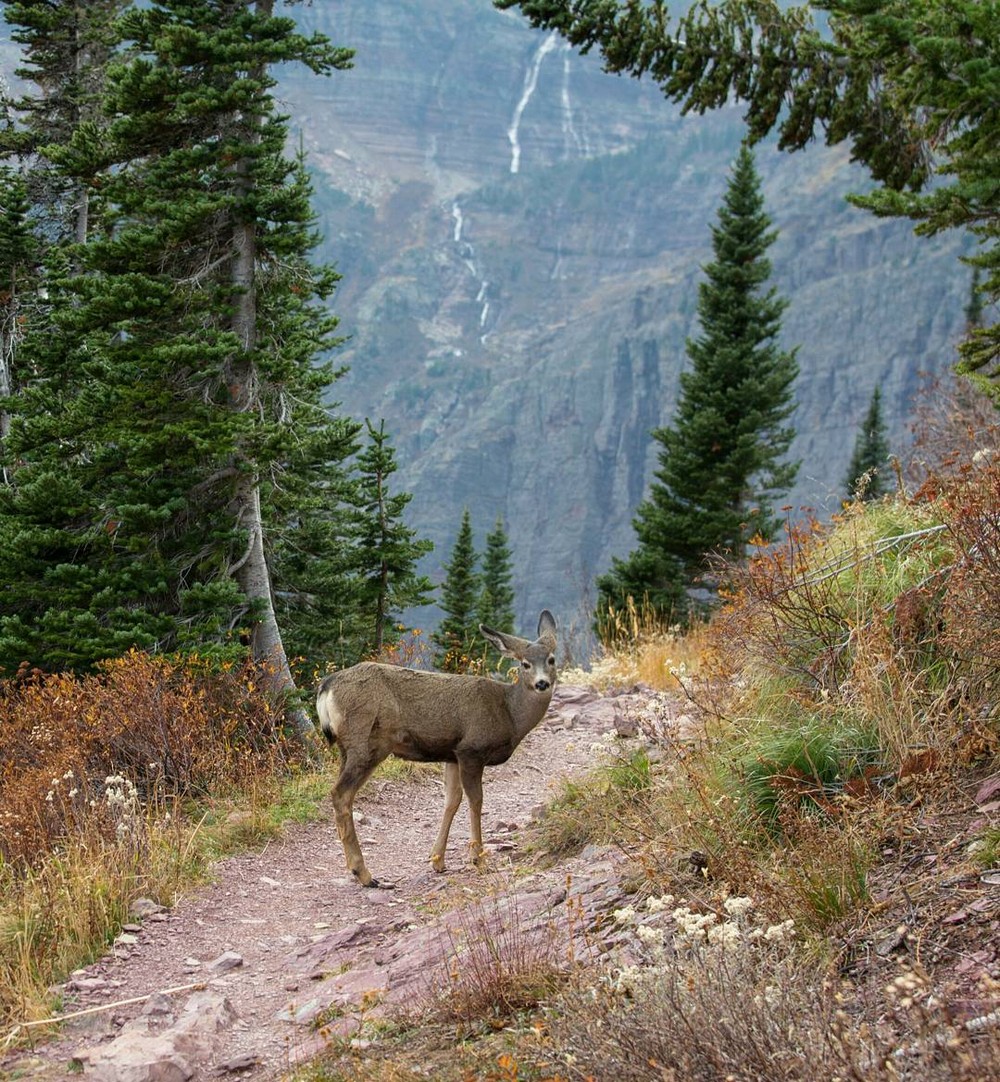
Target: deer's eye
(551,662)
(525,665)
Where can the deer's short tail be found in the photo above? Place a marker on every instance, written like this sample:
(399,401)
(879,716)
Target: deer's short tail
(327,711)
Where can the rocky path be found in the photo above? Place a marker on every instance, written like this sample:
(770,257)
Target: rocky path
(231,980)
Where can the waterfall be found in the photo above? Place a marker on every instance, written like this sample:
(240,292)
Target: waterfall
(456,213)
(572,140)
(530,81)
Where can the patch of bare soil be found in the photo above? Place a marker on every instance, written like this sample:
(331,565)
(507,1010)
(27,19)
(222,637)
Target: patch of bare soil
(231,980)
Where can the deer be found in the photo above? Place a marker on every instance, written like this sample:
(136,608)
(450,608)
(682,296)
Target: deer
(372,710)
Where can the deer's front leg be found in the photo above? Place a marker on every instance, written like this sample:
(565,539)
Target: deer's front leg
(452,799)
(472,782)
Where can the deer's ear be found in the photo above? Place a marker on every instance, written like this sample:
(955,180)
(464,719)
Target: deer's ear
(508,645)
(547,628)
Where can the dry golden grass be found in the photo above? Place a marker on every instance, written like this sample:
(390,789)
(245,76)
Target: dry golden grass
(640,649)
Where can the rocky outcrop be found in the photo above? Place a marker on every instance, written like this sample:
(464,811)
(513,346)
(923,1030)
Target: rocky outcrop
(165,1043)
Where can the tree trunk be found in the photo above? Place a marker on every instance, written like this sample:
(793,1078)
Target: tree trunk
(254,579)
(252,572)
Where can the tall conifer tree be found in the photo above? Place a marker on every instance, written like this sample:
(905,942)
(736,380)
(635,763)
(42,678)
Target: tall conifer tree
(387,549)
(496,598)
(721,464)
(455,637)
(176,418)
(866,473)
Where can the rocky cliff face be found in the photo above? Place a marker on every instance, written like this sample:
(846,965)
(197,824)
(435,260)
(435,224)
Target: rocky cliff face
(520,236)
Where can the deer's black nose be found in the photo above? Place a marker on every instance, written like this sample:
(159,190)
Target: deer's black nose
(541,685)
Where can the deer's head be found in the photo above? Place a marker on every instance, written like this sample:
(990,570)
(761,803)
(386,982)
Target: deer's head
(537,659)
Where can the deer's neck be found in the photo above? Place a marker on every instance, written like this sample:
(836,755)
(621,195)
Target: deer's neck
(527,707)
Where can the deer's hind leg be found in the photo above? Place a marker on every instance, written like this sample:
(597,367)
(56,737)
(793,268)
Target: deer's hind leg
(452,799)
(355,769)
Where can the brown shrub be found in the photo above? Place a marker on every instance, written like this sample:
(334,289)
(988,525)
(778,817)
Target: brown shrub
(769,1016)
(971,617)
(170,727)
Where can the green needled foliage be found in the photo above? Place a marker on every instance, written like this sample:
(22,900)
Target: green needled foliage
(913,86)
(496,599)
(866,475)
(387,549)
(455,637)
(721,463)
(172,441)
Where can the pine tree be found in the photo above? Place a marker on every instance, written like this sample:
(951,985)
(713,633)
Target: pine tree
(387,549)
(67,47)
(175,424)
(496,598)
(721,463)
(455,637)
(866,473)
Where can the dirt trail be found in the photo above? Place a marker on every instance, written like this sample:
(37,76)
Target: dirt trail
(281,932)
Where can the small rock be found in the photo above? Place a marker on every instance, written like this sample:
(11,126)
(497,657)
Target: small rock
(144,907)
(303,1014)
(157,1004)
(238,1063)
(266,879)
(86,984)
(126,939)
(226,961)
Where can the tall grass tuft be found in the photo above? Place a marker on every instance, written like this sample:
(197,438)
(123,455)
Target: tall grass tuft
(493,965)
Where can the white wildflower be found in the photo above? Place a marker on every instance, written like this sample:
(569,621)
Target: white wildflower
(658,905)
(626,979)
(779,932)
(738,907)
(651,937)
(724,935)
(624,915)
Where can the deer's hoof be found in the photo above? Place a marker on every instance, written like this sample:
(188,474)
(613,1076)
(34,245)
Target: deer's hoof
(437,862)
(477,854)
